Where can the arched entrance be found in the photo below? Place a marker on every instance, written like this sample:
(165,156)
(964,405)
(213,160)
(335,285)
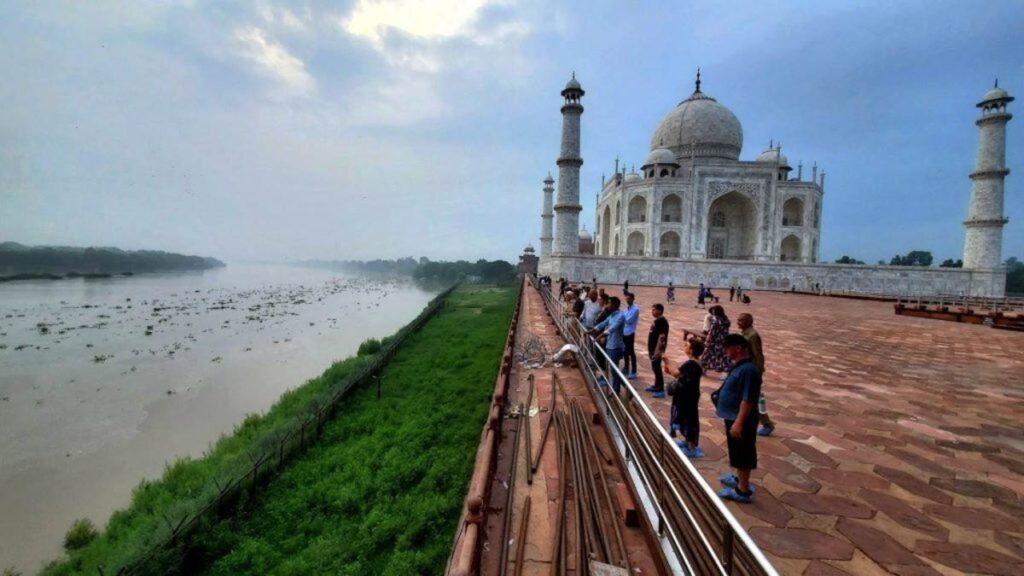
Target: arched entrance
(668,245)
(790,249)
(637,210)
(793,212)
(635,244)
(732,228)
(672,209)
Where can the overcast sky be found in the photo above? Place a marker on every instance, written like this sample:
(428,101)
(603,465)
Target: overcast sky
(270,130)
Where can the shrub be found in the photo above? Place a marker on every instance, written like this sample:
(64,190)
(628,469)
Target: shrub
(369,347)
(81,533)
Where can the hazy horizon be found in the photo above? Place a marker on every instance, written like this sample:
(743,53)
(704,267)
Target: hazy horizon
(275,131)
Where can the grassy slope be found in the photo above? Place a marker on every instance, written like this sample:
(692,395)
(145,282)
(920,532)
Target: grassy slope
(381,491)
(187,484)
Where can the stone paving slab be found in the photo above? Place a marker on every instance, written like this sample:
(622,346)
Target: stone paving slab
(899,447)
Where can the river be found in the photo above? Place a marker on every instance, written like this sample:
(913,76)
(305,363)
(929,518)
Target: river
(103,382)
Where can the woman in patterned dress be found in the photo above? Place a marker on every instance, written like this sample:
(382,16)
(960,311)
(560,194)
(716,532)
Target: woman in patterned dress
(714,357)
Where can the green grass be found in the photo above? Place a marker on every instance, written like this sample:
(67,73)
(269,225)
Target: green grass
(381,492)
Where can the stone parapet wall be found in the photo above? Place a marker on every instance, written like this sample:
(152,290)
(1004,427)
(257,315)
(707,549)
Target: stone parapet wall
(887,280)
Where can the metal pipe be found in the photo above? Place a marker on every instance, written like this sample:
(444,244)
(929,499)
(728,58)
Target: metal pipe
(524,523)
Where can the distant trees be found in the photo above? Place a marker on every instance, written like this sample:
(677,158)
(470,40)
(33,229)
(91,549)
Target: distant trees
(912,258)
(950,263)
(17,259)
(488,271)
(496,271)
(848,260)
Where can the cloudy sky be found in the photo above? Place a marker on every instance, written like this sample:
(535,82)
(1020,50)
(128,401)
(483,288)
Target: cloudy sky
(385,128)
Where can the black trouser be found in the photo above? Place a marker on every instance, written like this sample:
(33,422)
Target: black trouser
(629,364)
(686,419)
(659,378)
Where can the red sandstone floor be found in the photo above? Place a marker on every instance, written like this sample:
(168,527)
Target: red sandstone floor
(899,447)
(534,322)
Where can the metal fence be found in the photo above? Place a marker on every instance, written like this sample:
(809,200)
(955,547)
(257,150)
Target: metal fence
(697,533)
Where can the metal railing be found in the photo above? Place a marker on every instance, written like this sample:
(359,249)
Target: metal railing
(976,303)
(696,532)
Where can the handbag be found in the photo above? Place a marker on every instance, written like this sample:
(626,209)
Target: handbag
(674,387)
(716,394)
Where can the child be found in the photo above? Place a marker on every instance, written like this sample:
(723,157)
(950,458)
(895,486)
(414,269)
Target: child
(685,392)
(670,293)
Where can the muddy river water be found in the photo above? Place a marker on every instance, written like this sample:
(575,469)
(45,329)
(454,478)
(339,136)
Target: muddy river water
(102,382)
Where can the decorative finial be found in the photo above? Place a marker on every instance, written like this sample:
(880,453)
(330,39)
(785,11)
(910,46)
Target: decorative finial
(697,91)
(573,74)
(997,83)
(771,144)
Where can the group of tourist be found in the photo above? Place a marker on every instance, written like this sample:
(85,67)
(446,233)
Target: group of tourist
(612,323)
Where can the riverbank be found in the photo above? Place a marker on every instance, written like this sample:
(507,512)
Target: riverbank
(184,358)
(457,348)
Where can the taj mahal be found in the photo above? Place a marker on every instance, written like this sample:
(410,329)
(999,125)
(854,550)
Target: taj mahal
(696,212)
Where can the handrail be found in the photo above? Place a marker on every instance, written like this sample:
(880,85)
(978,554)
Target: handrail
(734,540)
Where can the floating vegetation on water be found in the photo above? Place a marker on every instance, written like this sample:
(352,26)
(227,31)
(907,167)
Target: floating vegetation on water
(102,357)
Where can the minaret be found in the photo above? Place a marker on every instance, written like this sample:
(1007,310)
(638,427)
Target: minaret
(983,241)
(567,206)
(546,217)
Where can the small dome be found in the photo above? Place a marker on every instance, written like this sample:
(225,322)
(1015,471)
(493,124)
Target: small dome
(572,87)
(996,94)
(660,156)
(631,176)
(584,235)
(529,249)
(772,155)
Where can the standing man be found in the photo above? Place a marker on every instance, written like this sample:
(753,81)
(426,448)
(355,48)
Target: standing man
(745,322)
(737,406)
(732,292)
(657,341)
(632,314)
(701,294)
(611,329)
(591,310)
(739,294)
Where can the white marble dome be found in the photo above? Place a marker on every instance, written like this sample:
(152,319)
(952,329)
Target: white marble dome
(660,156)
(771,155)
(701,123)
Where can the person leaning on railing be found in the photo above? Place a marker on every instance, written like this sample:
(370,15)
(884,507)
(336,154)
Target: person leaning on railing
(611,328)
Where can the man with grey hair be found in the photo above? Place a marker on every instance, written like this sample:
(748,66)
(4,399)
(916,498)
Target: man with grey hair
(591,310)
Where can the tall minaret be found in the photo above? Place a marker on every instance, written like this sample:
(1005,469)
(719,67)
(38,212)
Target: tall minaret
(567,206)
(983,241)
(545,218)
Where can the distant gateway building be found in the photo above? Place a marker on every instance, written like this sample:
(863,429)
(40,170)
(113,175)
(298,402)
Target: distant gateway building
(697,213)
